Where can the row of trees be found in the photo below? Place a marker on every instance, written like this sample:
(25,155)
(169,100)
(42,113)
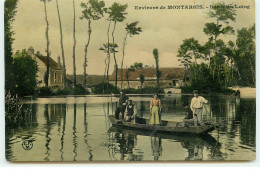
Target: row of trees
(227,63)
(94,10)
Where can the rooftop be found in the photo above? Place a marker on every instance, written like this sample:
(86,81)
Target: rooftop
(149,73)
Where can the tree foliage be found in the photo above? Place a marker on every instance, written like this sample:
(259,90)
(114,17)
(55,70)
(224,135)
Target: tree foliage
(117,12)
(26,72)
(9,14)
(245,56)
(132,29)
(137,65)
(189,50)
(93,10)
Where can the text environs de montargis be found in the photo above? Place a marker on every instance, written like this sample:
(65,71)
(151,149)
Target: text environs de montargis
(191,7)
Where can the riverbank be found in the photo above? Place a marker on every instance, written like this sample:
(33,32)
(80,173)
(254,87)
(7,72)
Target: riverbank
(245,92)
(112,91)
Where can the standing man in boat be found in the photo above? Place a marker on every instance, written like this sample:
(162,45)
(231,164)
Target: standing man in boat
(121,105)
(196,106)
(155,109)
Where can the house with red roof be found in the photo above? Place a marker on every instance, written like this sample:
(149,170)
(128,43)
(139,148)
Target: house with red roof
(56,78)
(171,77)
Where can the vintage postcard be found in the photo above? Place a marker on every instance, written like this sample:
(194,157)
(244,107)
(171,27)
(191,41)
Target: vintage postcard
(120,80)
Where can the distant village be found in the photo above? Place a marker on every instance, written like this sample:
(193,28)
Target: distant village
(171,78)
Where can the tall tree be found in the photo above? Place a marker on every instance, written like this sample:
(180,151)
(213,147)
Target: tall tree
(220,26)
(131,30)
(245,55)
(47,73)
(156,58)
(9,14)
(116,14)
(74,46)
(61,44)
(108,48)
(93,10)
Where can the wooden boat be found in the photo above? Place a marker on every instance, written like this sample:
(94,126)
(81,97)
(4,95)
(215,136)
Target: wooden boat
(166,126)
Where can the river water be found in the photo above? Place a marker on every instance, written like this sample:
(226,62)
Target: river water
(76,129)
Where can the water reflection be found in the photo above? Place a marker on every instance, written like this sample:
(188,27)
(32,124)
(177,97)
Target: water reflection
(156,146)
(63,111)
(126,143)
(86,133)
(80,131)
(195,146)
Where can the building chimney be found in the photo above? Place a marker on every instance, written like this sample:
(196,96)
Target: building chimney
(31,51)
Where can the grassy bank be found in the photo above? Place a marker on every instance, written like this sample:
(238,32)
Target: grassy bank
(16,113)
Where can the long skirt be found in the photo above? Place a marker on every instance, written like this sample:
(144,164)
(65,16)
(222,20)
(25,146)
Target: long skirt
(155,118)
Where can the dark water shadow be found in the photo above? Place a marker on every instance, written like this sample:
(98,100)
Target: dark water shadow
(194,144)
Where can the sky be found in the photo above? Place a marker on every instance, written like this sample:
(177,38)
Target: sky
(164,29)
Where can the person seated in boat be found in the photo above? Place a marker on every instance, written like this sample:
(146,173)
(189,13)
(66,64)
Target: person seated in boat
(130,111)
(196,106)
(121,105)
(155,110)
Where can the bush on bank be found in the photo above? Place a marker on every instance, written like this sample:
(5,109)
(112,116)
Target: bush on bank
(105,88)
(48,91)
(190,89)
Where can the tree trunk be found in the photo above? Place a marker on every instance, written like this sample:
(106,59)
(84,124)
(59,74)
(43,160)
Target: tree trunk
(157,77)
(114,53)
(61,44)
(123,60)
(252,71)
(46,79)
(86,52)
(105,73)
(108,51)
(74,46)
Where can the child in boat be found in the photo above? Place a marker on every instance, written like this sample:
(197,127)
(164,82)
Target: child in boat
(130,111)
(155,109)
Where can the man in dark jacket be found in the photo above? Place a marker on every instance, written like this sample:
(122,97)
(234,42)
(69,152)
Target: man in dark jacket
(121,105)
